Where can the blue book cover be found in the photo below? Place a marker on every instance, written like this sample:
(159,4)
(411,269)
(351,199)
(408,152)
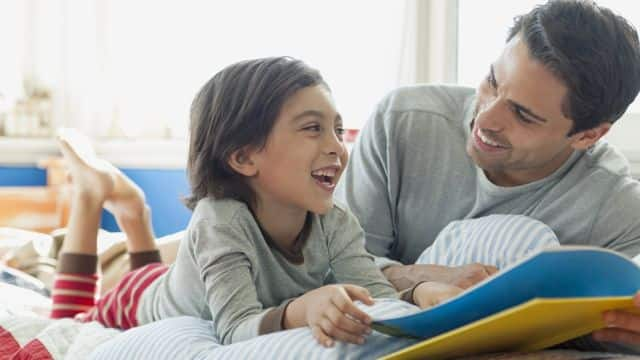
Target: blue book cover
(562,272)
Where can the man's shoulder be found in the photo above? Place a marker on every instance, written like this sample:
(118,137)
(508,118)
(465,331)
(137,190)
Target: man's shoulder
(446,100)
(604,170)
(607,158)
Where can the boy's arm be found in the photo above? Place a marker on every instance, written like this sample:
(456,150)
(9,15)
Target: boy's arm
(230,291)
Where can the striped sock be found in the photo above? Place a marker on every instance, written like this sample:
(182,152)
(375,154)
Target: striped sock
(73,294)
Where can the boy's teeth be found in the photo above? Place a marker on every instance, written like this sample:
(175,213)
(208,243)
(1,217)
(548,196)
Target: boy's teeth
(329,172)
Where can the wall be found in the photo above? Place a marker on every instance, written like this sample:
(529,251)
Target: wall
(163,188)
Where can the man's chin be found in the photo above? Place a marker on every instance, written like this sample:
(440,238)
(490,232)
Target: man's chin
(481,162)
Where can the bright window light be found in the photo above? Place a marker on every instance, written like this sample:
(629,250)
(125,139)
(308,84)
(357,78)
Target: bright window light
(160,58)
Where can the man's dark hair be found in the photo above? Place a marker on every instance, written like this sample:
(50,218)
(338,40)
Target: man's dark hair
(236,109)
(592,50)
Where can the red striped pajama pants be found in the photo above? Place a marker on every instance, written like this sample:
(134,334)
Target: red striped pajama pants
(74,295)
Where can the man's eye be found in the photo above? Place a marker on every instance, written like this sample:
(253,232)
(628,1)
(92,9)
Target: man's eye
(312,128)
(522,117)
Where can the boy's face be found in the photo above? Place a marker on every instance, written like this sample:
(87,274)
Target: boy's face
(519,132)
(304,155)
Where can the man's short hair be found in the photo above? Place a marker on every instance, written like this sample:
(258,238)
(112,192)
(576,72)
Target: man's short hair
(592,50)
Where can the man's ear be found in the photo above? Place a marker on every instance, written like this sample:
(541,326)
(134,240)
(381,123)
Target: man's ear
(584,139)
(242,162)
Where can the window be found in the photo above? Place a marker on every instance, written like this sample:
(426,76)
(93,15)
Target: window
(482,31)
(120,67)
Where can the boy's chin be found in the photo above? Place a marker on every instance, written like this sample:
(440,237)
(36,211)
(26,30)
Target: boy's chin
(323,208)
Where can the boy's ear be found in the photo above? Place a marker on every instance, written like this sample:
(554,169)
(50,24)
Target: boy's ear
(584,139)
(241,161)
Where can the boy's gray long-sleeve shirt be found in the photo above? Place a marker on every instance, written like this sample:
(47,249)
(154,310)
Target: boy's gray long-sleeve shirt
(226,271)
(409,176)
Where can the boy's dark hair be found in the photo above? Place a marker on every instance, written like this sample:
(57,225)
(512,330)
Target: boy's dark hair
(592,50)
(235,109)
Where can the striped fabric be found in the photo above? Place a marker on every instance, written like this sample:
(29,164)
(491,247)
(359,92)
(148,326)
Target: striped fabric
(191,338)
(74,296)
(498,239)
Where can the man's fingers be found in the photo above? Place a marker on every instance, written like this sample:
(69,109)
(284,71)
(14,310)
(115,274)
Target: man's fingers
(471,274)
(617,335)
(346,323)
(336,333)
(636,299)
(622,320)
(321,337)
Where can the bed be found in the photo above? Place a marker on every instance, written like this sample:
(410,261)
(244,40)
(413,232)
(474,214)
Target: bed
(25,329)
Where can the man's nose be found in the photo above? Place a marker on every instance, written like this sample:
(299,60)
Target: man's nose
(493,115)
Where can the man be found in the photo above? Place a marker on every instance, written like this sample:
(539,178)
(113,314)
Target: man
(527,141)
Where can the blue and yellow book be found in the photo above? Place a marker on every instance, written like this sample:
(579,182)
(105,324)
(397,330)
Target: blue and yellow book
(545,299)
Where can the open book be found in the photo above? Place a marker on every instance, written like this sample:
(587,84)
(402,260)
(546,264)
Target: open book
(545,299)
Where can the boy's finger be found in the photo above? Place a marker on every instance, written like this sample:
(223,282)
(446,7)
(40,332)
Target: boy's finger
(359,293)
(346,306)
(321,337)
(347,323)
(336,333)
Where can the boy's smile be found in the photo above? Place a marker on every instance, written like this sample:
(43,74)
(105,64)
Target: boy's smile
(326,176)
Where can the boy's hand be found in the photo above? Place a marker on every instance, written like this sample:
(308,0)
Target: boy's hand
(428,294)
(331,314)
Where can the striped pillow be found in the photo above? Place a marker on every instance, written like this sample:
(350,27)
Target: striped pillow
(191,338)
(498,240)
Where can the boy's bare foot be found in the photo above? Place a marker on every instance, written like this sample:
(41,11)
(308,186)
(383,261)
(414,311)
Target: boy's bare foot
(99,180)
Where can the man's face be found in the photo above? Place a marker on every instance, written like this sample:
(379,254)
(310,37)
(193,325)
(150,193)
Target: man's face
(519,133)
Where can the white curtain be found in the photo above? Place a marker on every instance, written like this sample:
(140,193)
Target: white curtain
(130,68)
(429,51)
(67,52)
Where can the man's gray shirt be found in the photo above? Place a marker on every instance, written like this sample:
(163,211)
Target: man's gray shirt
(409,176)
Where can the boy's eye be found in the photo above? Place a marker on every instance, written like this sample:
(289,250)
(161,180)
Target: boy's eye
(340,131)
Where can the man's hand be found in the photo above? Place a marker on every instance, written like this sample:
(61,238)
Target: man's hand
(622,327)
(403,277)
(331,314)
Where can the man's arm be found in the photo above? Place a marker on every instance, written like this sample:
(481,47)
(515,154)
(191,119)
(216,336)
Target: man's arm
(364,188)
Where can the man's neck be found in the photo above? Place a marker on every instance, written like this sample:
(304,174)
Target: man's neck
(510,178)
